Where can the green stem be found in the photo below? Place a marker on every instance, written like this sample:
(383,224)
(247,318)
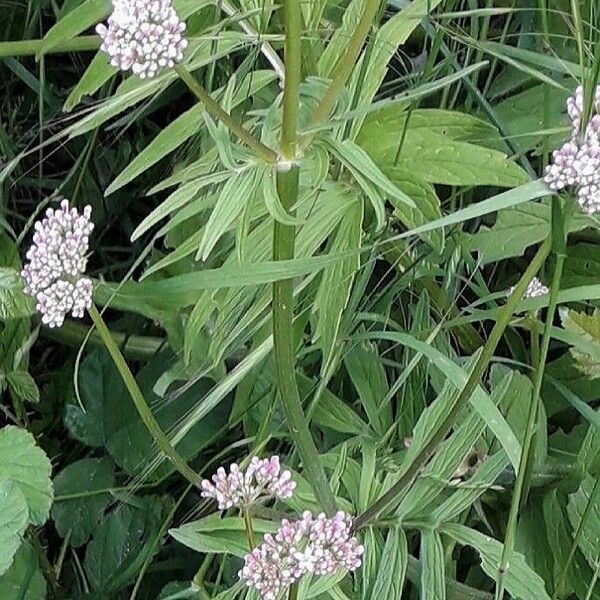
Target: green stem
(139,401)
(33,47)
(343,68)
(521,484)
(214,109)
(249,528)
(293,595)
(464,395)
(284,237)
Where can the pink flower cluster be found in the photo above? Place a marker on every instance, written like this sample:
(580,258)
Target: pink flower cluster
(312,545)
(143,36)
(577,162)
(263,478)
(57,261)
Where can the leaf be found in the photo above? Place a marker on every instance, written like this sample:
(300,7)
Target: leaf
(222,536)
(14,518)
(122,542)
(434,157)
(24,579)
(75,22)
(336,282)
(236,193)
(14,303)
(433,573)
(23,462)
(97,74)
(23,386)
(80,516)
(586,327)
(522,582)
(516,229)
(359,162)
(392,569)
(589,540)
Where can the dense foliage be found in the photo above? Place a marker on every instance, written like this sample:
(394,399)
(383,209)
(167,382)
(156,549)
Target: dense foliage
(376,168)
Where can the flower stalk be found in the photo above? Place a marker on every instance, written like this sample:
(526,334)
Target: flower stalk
(139,401)
(215,110)
(412,471)
(283,249)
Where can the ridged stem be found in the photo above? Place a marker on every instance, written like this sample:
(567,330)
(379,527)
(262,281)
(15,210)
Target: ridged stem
(284,237)
(464,395)
(139,401)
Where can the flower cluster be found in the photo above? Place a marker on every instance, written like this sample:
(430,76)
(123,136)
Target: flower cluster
(312,545)
(577,162)
(262,478)
(535,288)
(57,261)
(143,36)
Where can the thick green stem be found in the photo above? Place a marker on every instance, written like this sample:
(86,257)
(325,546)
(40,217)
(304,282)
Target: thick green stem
(521,484)
(249,528)
(138,399)
(343,68)
(215,110)
(32,47)
(284,237)
(465,394)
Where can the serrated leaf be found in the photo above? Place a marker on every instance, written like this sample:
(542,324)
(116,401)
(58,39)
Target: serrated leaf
(75,22)
(81,515)
(434,157)
(14,518)
(392,569)
(24,579)
(14,302)
(236,193)
(433,573)
(336,282)
(23,386)
(23,462)
(587,500)
(586,327)
(522,582)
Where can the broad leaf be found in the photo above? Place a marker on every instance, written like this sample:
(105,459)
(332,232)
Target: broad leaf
(14,302)
(24,579)
(14,518)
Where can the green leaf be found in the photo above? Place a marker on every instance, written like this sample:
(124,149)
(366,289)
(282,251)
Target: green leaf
(75,22)
(589,540)
(97,74)
(392,569)
(14,518)
(336,282)
(434,157)
(14,302)
(516,229)
(522,582)
(433,573)
(24,579)
(81,515)
(23,386)
(585,327)
(122,542)
(23,462)
(220,535)
(238,190)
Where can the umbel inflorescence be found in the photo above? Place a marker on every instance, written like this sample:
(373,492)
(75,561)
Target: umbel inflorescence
(57,261)
(143,36)
(311,545)
(577,162)
(262,479)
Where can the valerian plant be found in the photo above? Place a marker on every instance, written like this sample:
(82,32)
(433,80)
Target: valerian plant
(290,233)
